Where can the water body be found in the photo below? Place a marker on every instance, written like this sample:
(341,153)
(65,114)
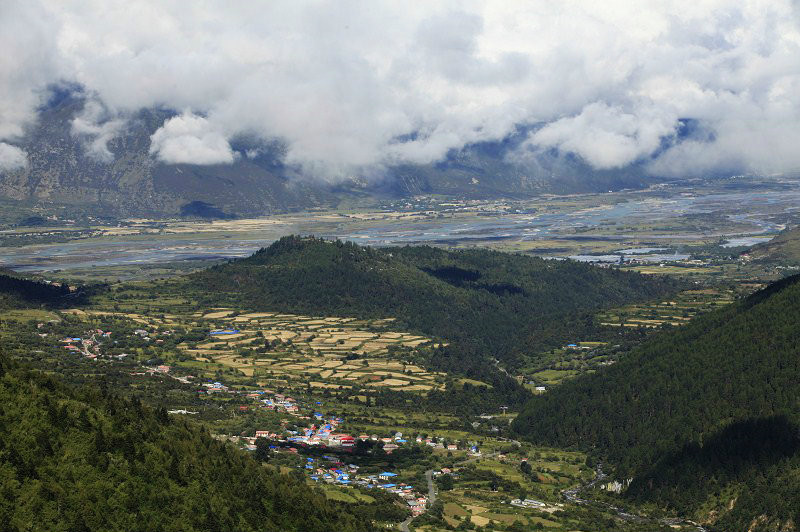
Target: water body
(655,258)
(746,241)
(641,208)
(640,251)
(98,253)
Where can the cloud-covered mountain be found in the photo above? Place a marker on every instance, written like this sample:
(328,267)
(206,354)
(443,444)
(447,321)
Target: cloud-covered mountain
(360,89)
(123,178)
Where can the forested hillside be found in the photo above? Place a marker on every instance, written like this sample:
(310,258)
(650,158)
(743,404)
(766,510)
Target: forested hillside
(698,416)
(495,303)
(86,460)
(16,292)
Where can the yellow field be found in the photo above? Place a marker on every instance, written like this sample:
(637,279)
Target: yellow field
(269,346)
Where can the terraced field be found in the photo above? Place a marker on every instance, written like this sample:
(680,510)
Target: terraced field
(274,348)
(325,352)
(679,311)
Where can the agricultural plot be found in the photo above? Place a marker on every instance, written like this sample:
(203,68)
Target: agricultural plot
(679,311)
(329,352)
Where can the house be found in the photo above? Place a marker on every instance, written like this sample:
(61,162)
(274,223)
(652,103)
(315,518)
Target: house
(389,447)
(224,332)
(527,503)
(386,475)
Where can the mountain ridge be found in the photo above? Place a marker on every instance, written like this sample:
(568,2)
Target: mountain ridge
(62,170)
(670,412)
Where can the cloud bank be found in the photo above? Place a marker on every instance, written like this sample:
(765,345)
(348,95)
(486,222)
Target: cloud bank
(11,157)
(191,139)
(348,87)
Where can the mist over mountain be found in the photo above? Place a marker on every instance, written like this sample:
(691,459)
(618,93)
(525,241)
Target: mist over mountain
(475,99)
(127,180)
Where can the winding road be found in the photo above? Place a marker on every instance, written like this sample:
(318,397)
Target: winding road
(431,499)
(432,488)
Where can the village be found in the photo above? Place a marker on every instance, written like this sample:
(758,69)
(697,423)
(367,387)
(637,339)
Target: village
(328,429)
(324,435)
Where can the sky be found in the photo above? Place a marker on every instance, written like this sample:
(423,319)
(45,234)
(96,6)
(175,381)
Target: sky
(350,87)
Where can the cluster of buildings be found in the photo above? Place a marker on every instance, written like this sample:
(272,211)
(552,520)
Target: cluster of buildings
(527,503)
(88,346)
(146,336)
(346,475)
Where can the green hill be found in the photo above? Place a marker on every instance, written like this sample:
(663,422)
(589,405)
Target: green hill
(704,418)
(501,305)
(86,461)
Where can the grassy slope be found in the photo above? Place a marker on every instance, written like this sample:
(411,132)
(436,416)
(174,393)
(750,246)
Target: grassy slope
(783,249)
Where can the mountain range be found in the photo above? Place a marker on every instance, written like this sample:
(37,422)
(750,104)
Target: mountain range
(126,180)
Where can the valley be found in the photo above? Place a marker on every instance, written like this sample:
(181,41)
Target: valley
(367,402)
(673,223)
(315,266)
(376,374)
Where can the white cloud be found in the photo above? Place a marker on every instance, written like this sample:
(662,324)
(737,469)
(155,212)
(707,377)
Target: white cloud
(28,62)
(350,86)
(190,139)
(97,129)
(607,137)
(11,157)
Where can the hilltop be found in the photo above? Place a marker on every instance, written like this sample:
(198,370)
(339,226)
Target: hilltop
(497,304)
(704,418)
(17,292)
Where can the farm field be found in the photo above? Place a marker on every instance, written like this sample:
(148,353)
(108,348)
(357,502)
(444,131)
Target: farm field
(287,349)
(484,489)
(558,365)
(678,311)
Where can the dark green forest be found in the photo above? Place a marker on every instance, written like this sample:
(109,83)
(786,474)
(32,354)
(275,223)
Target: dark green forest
(705,412)
(84,460)
(499,304)
(486,304)
(16,292)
